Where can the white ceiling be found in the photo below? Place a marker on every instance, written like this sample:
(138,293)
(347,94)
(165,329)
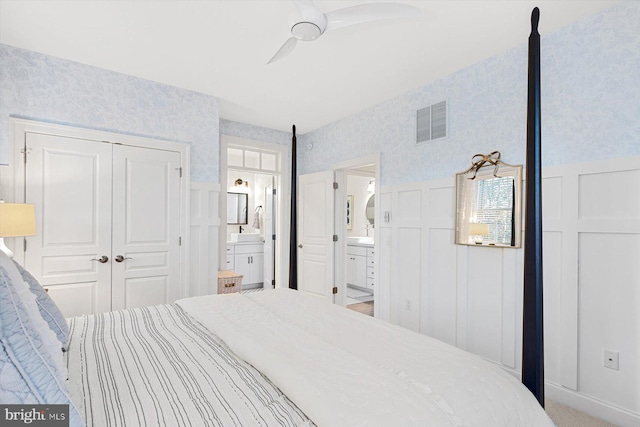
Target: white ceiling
(221,48)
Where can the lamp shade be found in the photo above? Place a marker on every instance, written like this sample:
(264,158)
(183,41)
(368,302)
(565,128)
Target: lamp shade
(478,229)
(17,219)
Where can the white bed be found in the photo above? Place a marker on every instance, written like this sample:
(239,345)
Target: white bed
(280,358)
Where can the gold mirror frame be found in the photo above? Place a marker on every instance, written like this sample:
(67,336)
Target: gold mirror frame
(489,203)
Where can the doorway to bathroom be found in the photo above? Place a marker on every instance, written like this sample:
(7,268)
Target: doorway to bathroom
(356,257)
(254,236)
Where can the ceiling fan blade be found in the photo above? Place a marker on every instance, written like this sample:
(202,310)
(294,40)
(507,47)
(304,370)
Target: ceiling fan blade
(285,50)
(362,13)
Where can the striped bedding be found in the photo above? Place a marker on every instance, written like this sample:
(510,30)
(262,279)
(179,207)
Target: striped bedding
(157,366)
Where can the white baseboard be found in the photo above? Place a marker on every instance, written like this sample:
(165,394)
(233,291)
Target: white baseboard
(592,406)
(587,404)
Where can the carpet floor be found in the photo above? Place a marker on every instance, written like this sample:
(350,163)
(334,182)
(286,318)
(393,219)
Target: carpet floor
(565,416)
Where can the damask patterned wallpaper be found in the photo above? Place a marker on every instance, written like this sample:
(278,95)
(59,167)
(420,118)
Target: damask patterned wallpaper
(590,107)
(40,87)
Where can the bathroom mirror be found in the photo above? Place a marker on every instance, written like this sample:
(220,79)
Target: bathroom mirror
(489,204)
(236,208)
(371,209)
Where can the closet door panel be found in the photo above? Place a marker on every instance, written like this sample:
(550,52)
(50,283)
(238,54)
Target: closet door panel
(69,182)
(146,218)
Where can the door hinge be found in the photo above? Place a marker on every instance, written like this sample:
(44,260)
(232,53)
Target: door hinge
(24,152)
(335,185)
(335,237)
(273,237)
(274,191)
(180,170)
(180,241)
(273,282)
(335,290)
(24,244)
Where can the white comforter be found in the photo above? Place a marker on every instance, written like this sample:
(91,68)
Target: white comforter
(345,369)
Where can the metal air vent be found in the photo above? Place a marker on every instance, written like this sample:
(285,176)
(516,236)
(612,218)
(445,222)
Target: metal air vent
(432,122)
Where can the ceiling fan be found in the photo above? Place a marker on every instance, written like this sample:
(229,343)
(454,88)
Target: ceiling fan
(308,23)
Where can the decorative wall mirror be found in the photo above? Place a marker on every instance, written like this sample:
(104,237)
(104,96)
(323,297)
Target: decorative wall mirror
(237,208)
(371,209)
(489,203)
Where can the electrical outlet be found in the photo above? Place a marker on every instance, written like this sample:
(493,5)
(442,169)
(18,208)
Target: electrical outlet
(611,359)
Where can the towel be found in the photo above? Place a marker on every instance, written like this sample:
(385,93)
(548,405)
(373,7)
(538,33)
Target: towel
(256,218)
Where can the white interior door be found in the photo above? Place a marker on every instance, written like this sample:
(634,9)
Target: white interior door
(315,234)
(69,182)
(146,218)
(269,235)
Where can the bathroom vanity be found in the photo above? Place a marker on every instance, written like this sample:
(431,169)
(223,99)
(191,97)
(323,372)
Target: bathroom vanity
(247,259)
(360,264)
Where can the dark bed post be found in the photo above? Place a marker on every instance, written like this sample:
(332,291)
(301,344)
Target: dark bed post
(532,328)
(293,250)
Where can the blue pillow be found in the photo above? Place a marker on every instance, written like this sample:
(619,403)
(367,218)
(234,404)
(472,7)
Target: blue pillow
(48,309)
(29,373)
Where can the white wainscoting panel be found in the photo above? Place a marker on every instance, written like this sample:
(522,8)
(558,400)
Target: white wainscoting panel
(203,239)
(560,194)
(439,298)
(610,317)
(408,274)
(484,302)
(553,306)
(512,267)
(609,281)
(602,195)
(439,320)
(471,297)
(385,295)
(409,205)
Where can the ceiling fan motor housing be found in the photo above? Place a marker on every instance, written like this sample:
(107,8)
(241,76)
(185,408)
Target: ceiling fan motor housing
(307,22)
(306,31)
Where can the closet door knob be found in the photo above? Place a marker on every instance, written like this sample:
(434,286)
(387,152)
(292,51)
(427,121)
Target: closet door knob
(120,258)
(300,245)
(101,260)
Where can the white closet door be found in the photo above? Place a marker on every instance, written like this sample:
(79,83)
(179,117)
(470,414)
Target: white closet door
(146,220)
(69,182)
(315,232)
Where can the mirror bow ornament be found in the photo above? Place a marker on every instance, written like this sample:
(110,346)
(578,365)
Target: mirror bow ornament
(488,203)
(479,161)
